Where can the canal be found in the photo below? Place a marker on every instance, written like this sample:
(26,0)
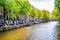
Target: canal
(42,31)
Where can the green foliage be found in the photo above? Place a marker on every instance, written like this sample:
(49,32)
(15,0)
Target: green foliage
(57,4)
(38,13)
(31,11)
(15,8)
(11,15)
(57,8)
(54,13)
(45,14)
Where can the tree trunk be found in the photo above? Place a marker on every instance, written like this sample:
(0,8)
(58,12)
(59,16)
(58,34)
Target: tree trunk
(4,15)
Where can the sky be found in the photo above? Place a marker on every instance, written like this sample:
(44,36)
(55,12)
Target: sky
(43,4)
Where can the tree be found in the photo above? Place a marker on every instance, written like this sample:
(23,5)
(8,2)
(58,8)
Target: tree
(2,5)
(38,13)
(55,13)
(15,8)
(57,6)
(10,7)
(45,14)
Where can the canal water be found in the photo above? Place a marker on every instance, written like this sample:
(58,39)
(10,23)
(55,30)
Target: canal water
(58,32)
(46,31)
(43,31)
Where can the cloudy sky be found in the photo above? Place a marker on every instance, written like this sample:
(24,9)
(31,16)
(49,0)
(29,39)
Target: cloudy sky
(43,4)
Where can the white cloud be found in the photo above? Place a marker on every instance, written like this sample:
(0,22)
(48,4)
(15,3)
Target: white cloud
(41,4)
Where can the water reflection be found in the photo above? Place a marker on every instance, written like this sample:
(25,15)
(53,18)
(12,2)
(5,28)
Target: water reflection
(46,31)
(43,31)
(16,34)
(58,31)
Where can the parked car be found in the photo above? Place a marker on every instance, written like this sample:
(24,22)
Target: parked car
(11,22)
(36,21)
(1,21)
(45,20)
(16,22)
(21,21)
(40,20)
